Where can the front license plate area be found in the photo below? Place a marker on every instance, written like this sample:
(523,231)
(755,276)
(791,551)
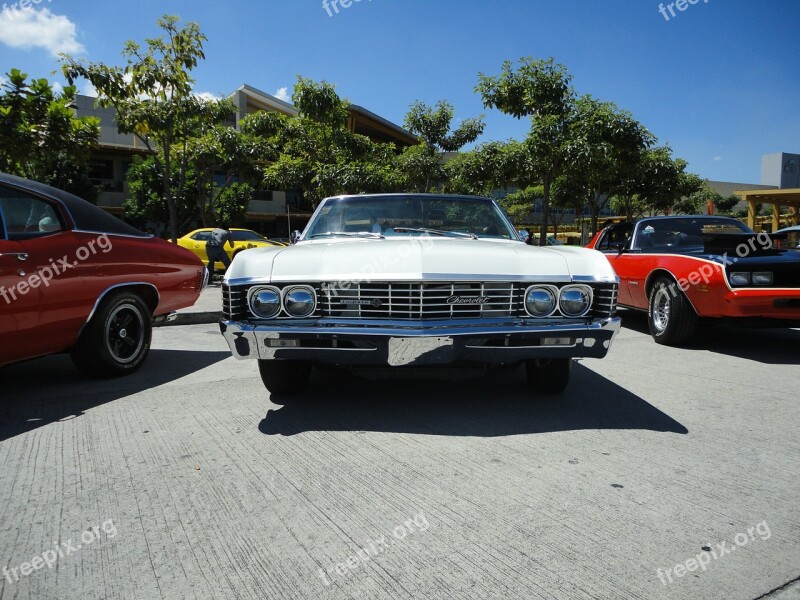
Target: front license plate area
(406,351)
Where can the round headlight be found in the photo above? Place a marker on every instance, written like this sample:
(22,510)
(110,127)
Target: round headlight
(265,302)
(575,300)
(299,301)
(540,301)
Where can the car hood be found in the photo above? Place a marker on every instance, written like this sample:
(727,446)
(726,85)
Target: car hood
(418,259)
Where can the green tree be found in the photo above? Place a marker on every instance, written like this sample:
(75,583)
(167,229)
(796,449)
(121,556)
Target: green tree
(314,152)
(152,95)
(726,205)
(519,204)
(656,183)
(606,146)
(223,159)
(42,139)
(487,167)
(542,91)
(422,163)
(693,202)
(692,190)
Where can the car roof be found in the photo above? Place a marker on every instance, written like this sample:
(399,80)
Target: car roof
(684,217)
(213,228)
(85,215)
(412,195)
(787,229)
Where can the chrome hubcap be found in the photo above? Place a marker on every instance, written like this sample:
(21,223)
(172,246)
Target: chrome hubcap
(661,306)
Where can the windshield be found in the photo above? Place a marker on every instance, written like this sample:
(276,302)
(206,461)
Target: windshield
(395,216)
(695,232)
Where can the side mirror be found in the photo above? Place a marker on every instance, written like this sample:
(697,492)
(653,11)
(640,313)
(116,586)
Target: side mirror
(295,236)
(523,235)
(618,246)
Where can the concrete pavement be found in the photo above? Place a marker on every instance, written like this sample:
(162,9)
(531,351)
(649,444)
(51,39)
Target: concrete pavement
(186,481)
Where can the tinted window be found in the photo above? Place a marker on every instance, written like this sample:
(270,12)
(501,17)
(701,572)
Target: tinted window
(202,236)
(247,236)
(614,236)
(27,216)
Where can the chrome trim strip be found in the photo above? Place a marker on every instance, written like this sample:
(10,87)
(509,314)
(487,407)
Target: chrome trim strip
(430,277)
(420,328)
(122,235)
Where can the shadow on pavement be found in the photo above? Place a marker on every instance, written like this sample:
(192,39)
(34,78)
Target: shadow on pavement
(50,389)
(768,346)
(496,405)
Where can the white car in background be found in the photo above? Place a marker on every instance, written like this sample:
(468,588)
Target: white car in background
(416,280)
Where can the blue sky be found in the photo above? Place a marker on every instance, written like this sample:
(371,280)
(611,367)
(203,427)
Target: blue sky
(719,82)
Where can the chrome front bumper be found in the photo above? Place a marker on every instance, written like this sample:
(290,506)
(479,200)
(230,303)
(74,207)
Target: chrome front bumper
(355,343)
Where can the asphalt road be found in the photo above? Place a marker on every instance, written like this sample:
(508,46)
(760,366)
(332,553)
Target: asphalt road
(185,481)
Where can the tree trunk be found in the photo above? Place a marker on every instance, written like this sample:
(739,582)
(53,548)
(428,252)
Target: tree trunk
(173,210)
(545,211)
(595,211)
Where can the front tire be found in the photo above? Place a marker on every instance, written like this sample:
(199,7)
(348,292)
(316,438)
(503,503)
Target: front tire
(670,316)
(549,375)
(284,376)
(116,340)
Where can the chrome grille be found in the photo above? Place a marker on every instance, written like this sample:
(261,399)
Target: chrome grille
(421,301)
(605,300)
(234,302)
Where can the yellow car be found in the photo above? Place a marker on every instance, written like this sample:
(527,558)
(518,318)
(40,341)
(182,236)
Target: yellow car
(242,240)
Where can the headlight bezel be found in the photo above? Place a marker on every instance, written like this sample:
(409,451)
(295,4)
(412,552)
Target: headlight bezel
(551,290)
(252,294)
(586,290)
(288,290)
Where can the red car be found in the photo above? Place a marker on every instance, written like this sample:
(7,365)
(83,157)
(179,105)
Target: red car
(75,278)
(685,268)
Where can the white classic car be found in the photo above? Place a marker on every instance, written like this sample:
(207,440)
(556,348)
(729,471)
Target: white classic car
(414,280)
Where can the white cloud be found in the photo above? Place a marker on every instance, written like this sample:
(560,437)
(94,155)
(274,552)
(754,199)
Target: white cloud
(717,158)
(57,87)
(208,96)
(283,94)
(38,28)
(89,90)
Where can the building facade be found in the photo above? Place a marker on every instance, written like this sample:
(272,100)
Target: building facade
(274,213)
(780,170)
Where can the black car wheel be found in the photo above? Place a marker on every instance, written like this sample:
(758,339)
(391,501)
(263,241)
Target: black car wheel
(548,376)
(671,318)
(282,377)
(116,340)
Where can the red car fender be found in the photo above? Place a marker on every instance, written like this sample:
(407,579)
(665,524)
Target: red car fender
(702,281)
